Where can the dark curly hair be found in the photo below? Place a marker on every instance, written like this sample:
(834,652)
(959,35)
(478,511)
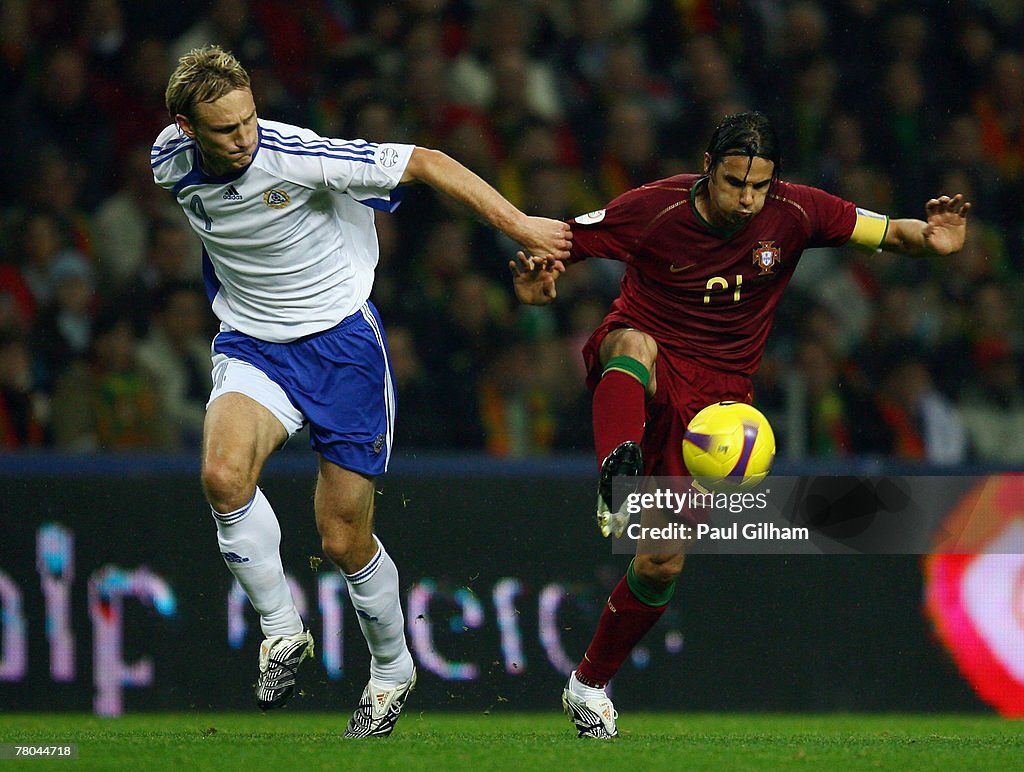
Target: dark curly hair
(748,134)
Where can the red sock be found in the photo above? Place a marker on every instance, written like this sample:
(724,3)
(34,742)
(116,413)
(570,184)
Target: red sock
(619,412)
(624,621)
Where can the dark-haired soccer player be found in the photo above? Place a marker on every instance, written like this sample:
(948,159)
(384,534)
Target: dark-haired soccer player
(707,259)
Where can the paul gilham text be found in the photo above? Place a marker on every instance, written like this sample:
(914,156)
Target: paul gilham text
(751,532)
(734,532)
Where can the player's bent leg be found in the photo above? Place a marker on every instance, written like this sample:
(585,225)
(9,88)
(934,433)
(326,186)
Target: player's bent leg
(239,435)
(635,605)
(344,510)
(635,345)
(619,411)
(344,516)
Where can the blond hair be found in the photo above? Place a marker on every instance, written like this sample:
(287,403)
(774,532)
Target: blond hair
(203,75)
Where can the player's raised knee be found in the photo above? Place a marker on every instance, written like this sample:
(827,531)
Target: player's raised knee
(633,352)
(630,343)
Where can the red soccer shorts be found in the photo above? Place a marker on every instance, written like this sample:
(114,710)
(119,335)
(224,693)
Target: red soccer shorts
(683,389)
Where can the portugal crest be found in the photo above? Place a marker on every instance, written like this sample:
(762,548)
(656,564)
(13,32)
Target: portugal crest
(766,256)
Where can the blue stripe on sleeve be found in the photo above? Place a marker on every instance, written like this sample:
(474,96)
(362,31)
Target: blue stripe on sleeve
(158,149)
(294,140)
(156,161)
(338,154)
(321,142)
(355,151)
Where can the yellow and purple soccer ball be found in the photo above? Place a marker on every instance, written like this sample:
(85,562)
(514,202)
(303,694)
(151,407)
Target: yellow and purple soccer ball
(729,445)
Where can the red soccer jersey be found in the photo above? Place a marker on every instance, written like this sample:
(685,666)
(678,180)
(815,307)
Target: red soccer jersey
(701,293)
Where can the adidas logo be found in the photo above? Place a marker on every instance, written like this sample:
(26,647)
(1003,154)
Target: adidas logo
(232,194)
(382,697)
(234,557)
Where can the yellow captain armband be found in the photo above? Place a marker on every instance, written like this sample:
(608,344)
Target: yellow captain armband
(869,230)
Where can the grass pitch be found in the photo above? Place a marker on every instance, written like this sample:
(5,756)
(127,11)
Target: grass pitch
(517,741)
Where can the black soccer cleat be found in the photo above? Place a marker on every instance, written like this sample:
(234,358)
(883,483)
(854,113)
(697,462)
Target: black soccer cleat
(625,461)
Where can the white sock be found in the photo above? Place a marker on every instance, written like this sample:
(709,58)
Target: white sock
(374,593)
(250,541)
(580,689)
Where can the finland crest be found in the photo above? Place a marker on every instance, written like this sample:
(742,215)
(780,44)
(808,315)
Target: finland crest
(767,256)
(276,199)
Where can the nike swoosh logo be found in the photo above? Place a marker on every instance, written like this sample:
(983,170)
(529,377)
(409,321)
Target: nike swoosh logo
(674,269)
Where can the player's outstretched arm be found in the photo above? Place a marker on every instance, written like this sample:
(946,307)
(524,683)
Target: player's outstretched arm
(943,232)
(542,237)
(534,279)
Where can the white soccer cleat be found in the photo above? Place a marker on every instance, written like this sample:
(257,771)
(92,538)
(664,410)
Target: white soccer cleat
(280,657)
(378,709)
(594,717)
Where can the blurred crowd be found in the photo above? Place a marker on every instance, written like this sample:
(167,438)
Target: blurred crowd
(562,105)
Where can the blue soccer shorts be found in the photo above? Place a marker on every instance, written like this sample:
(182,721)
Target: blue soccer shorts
(337,381)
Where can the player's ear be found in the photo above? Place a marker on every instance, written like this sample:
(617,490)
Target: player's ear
(185,126)
(707,163)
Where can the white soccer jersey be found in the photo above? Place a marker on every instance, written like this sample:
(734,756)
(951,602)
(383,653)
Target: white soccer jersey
(289,244)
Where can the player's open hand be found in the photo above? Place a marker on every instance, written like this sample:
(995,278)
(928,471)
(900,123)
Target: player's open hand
(947,224)
(546,238)
(533,278)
